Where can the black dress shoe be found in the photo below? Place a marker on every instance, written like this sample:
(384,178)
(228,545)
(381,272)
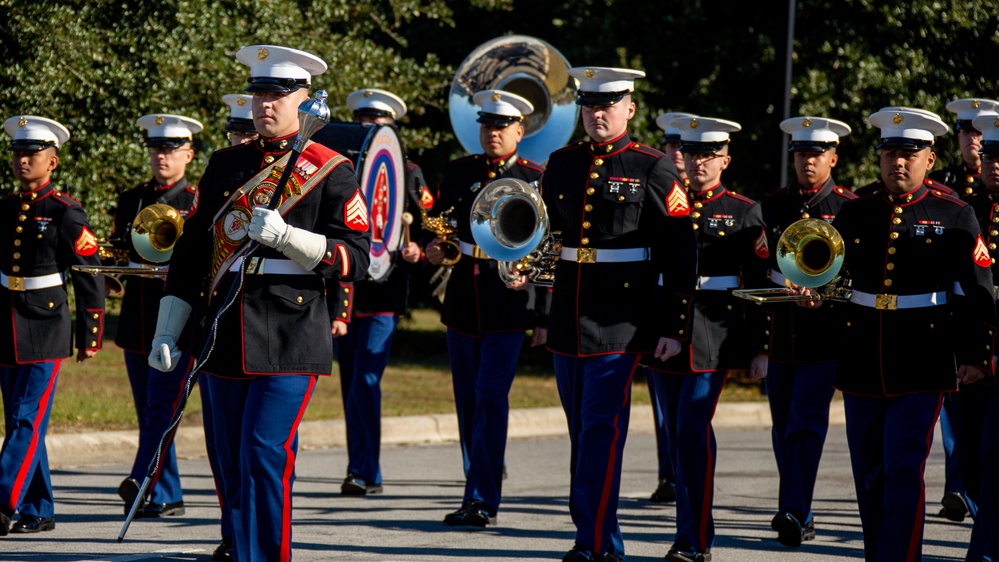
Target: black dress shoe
(954,507)
(4,524)
(473,513)
(665,493)
(790,531)
(157,510)
(354,485)
(224,551)
(128,490)
(581,554)
(33,524)
(679,553)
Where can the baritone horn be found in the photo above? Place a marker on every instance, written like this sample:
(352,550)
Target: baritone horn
(510,224)
(810,255)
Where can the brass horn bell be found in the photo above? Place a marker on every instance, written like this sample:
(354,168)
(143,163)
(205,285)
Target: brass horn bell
(155,231)
(809,254)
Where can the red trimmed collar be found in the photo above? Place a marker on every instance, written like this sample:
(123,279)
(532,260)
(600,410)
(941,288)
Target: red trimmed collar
(610,147)
(708,194)
(38,192)
(906,198)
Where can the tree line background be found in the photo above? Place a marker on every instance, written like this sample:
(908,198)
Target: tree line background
(98,65)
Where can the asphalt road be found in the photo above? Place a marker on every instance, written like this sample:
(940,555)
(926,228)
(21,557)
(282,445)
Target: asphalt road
(424,482)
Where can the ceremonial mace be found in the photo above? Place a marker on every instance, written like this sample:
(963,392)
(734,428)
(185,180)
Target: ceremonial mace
(313,114)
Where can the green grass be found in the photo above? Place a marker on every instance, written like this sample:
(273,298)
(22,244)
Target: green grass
(95,395)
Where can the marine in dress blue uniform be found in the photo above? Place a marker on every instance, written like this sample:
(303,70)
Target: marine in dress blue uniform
(624,221)
(273,343)
(908,249)
(964,177)
(665,444)
(373,310)
(486,320)
(802,364)
(978,424)
(156,394)
(728,333)
(43,233)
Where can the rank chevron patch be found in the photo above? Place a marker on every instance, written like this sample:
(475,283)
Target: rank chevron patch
(981,255)
(676,202)
(86,243)
(356,212)
(760,246)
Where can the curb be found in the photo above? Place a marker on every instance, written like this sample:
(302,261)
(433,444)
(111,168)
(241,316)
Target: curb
(118,447)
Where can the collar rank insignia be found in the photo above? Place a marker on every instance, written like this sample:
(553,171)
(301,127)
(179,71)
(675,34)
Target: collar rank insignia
(676,201)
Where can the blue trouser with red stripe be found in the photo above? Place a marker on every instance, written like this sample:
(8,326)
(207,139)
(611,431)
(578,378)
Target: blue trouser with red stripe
(213,460)
(482,370)
(256,439)
(363,354)
(25,484)
(665,444)
(596,396)
(979,445)
(889,440)
(156,396)
(690,405)
(799,396)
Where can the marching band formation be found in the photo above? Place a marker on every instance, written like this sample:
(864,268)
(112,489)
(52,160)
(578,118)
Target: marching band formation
(614,255)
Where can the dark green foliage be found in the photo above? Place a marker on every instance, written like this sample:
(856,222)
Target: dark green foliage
(98,65)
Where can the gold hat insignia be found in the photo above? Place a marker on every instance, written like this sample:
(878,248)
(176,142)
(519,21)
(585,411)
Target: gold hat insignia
(807,122)
(240,101)
(897,118)
(496,96)
(22,122)
(590,73)
(159,119)
(368,93)
(694,123)
(262,53)
(975,104)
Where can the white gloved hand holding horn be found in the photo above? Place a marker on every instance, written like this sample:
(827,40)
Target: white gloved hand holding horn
(173,314)
(301,246)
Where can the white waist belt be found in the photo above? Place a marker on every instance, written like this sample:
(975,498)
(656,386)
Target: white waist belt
(778,278)
(472,250)
(593,255)
(270,266)
(896,302)
(31,283)
(716,283)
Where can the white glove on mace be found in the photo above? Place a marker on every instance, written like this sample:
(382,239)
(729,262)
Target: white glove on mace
(301,246)
(170,321)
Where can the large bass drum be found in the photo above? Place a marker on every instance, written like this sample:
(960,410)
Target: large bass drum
(376,152)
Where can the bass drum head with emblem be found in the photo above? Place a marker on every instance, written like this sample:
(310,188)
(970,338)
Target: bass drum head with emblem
(377,155)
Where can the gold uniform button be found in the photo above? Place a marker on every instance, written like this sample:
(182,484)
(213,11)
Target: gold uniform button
(887,282)
(201,294)
(594,176)
(215,293)
(683,317)
(698,204)
(890,266)
(586,207)
(17,255)
(591,191)
(696,226)
(598,162)
(929,240)
(765,346)
(680,332)
(931,326)
(848,324)
(94,329)
(992,246)
(806,216)
(346,289)
(766,332)
(19,229)
(25,207)
(93,343)
(721,233)
(584,241)
(268,159)
(17,242)
(225,194)
(626,285)
(346,303)
(684,301)
(856,240)
(893,235)
(994,233)
(898,210)
(560,196)
(620,197)
(298,300)
(97,316)
(695,215)
(15,269)
(896,220)
(343,315)
(491,174)
(586,224)
(329,254)
(52,305)
(995,219)
(891,250)
(970,179)
(968,190)
(22,218)
(729,307)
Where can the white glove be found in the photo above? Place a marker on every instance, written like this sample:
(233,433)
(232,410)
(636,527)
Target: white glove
(173,314)
(301,246)
(267,227)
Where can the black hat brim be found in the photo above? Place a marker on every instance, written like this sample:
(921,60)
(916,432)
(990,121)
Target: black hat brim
(166,142)
(496,120)
(811,146)
(240,125)
(688,147)
(267,84)
(989,147)
(902,143)
(31,145)
(967,125)
(600,98)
